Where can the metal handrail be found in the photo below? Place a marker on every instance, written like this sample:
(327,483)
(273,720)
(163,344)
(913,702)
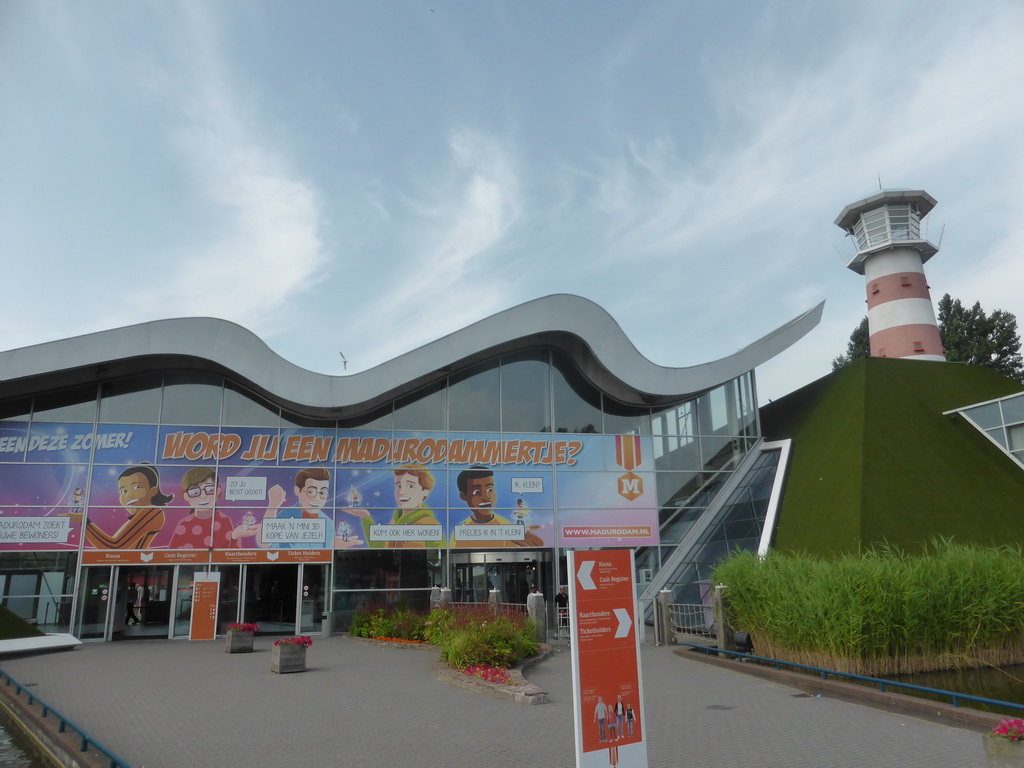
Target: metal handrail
(955,698)
(65,723)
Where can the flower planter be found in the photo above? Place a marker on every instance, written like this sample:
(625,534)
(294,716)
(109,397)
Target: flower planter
(239,642)
(288,658)
(1003,753)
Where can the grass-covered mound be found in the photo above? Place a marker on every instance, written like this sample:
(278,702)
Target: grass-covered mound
(874,460)
(13,627)
(468,636)
(882,612)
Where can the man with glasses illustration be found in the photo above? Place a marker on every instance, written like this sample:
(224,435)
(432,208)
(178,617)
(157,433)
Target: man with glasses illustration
(205,526)
(312,488)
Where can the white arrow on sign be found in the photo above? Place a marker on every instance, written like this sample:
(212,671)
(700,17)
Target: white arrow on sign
(624,622)
(583,574)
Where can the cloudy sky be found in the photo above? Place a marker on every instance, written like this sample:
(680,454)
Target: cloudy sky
(363,178)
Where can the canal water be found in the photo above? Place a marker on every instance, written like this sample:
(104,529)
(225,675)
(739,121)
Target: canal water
(1000,683)
(11,754)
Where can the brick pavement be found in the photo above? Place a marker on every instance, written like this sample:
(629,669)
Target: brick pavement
(164,704)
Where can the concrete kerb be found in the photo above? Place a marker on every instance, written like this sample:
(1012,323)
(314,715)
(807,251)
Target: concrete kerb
(43,733)
(898,703)
(521,691)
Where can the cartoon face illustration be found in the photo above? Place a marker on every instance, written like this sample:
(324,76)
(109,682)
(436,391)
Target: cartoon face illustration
(409,494)
(313,494)
(134,491)
(479,493)
(202,497)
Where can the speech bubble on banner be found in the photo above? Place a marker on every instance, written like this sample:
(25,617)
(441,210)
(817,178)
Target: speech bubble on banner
(527,485)
(295,531)
(246,489)
(34,530)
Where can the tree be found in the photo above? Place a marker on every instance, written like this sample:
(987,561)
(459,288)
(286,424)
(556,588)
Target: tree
(859,346)
(971,336)
(968,336)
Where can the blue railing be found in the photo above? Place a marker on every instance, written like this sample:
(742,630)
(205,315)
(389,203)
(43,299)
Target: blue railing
(883,685)
(63,723)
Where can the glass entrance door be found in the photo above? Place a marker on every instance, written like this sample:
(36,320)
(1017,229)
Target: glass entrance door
(271,597)
(182,608)
(314,583)
(227,597)
(142,605)
(94,601)
(471,583)
(476,574)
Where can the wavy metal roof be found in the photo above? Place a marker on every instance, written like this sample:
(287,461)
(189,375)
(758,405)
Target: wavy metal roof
(577,326)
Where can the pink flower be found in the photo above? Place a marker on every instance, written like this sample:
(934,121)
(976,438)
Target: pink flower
(305,641)
(1012,729)
(498,675)
(243,627)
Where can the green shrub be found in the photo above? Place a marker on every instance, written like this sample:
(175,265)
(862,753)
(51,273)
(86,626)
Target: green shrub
(408,625)
(360,624)
(383,621)
(466,636)
(479,635)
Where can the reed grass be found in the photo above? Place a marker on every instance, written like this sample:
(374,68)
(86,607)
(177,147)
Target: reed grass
(882,611)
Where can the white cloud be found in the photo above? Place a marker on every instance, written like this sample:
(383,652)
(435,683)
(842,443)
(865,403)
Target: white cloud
(682,174)
(268,249)
(265,249)
(748,217)
(464,215)
(901,102)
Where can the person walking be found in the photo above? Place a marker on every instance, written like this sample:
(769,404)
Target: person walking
(133,597)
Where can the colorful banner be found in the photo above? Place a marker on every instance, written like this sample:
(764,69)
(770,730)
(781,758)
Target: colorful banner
(219,493)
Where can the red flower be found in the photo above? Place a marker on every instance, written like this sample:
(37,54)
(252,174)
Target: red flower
(1012,729)
(305,641)
(243,627)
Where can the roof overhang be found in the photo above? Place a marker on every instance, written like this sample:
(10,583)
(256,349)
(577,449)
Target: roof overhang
(579,327)
(849,215)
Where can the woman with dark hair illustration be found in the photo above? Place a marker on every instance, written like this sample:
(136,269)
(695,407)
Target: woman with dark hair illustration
(138,489)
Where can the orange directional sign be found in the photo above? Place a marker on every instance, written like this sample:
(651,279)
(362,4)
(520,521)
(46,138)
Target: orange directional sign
(205,588)
(607,686)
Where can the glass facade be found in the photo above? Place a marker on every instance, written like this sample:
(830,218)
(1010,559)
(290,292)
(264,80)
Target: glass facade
(305,515)
(1003,422)
(39,587)
(738,525)
(889,223)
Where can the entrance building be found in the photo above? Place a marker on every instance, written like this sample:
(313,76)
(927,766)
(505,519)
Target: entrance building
(508,576)
(136,602)
(132,460)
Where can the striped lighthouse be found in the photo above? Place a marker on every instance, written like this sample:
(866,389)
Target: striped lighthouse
(891,253)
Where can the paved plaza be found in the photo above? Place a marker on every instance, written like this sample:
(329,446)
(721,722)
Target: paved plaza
(169,704)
